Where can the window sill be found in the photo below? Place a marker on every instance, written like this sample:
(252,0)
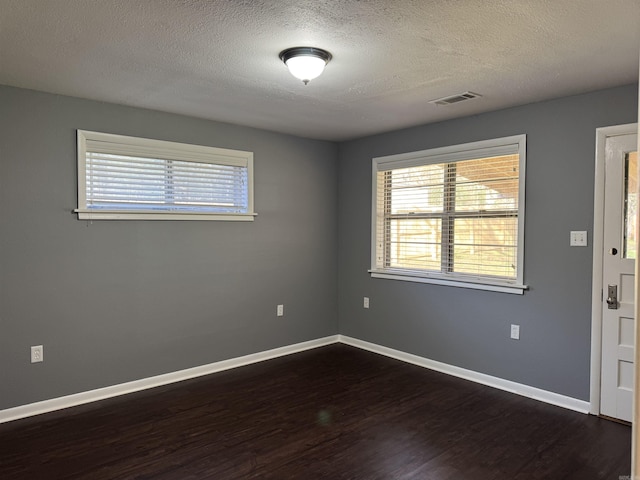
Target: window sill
(119,215)
(489,286)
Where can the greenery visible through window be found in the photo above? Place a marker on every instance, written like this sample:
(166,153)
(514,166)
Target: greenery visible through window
(458,219)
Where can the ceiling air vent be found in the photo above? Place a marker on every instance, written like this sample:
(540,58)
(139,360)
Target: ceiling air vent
(451,99)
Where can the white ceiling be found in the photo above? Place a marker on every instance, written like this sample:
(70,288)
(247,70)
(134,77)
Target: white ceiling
(218,59)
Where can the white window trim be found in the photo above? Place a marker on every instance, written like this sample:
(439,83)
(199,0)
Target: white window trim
(160,149)
(466,151)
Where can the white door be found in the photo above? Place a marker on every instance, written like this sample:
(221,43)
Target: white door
(618,267)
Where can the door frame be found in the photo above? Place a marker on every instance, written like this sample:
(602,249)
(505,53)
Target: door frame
(598,255)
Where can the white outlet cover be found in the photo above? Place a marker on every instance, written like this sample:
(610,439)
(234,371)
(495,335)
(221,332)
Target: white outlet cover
(280,310)
(366,302)
(37,354)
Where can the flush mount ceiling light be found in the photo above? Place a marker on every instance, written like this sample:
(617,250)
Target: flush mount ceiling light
(305,63)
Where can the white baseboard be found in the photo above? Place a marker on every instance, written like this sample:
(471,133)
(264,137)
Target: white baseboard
(73,400)
(495,382)
(67,401)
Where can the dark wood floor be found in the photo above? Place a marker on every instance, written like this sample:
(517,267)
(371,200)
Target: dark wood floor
(335,412)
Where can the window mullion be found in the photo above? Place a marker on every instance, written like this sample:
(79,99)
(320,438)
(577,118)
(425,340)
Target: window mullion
(169,194)
(388,177)
(448,217)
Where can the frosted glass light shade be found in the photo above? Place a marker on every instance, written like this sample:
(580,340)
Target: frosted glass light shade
(305,63)
(306,68)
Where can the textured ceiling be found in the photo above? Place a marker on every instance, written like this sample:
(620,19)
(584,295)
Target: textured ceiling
(218,59)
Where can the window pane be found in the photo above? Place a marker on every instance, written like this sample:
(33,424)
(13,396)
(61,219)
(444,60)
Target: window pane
(630,204)
(209,185)
(485,246)
(415,189)
(414,243)
(124,182)
(487,184)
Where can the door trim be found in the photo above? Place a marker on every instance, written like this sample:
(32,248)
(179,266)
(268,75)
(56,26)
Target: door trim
(598,239)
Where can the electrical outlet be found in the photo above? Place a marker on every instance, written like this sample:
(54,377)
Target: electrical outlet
(515,332)
(37,354)
(366,302)
(280,310)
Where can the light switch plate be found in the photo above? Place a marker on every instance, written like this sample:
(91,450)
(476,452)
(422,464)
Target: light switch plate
(578,239)
(515,332)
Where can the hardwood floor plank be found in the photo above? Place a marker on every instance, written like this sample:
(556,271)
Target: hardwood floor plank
(335,412)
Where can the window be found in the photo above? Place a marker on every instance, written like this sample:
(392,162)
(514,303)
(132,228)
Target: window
(630,204)
(452,215)
(122,178)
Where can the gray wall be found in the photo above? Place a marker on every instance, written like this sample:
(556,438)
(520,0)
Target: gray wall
(118,301)
(470,328)
(114,301)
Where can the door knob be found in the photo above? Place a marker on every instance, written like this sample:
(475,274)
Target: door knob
(612,297)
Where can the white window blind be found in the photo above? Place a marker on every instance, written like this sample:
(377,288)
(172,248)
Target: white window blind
(126,177)
(458,220)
